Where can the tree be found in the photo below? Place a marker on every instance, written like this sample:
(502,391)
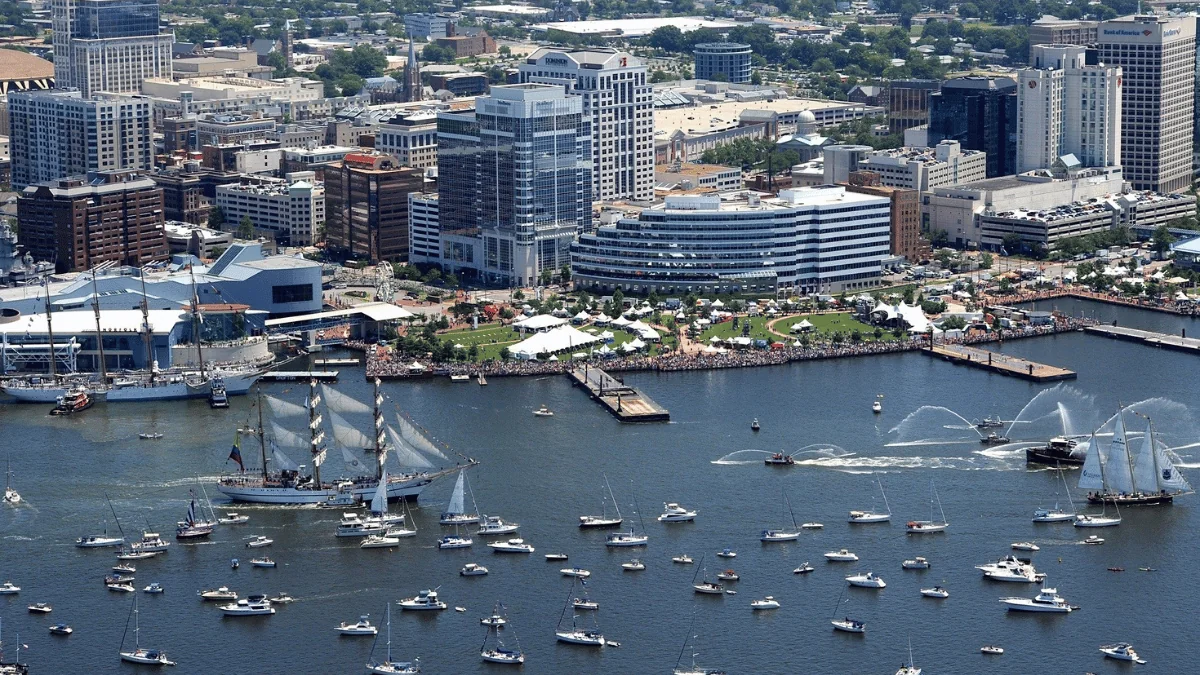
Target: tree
(216,218)
(433,53)
(545,277)
(668,39)
(985,261)
(756,77)
(1012,243)
(618,299)
(473,352)
(954,323)
(245,229)
(565,273)
(939,238)
(1161,240)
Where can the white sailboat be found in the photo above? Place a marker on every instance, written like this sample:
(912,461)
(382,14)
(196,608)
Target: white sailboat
(845,624)
(865,517)
(500,654)
(1056,515)
(782,534)
(630,538)
(379,505)
(929,526)
(455,513)
(1093,476)
(141,655)
(604,520)
(575,635)
(683,669)
(103,540)
(11,496)
(388,666)
(1153,478)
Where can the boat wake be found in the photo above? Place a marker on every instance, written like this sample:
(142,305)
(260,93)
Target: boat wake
(929,441)
(742,457)
(827,449)
(1007,451)
(859,463)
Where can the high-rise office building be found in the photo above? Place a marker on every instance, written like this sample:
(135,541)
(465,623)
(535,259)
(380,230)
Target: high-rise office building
(1158,57)
(1051,30)
(1067,107)
(514,182)
(108,45)
(618,100)
(981,114)
(908,103)
(59,133)
(729,61)
(366,206)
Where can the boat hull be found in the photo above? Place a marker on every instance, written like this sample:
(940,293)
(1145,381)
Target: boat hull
(1131,500)
(1043,456)
(236,384)
(1039,609)
(285,495)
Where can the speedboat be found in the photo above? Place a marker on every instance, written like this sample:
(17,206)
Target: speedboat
(493,620)
(9,588)
(61,629)
(754,426)
(154,588)
(1096,520)
(935,592)
(120,588)
(543,412)
(262,562)
(222,593)
(728,575)
(994,439)
(135,555)
(493,525)
(353,525)
(253,605)
(511,546)
(98,541)
(40,608)
(841,556)
(577,636)
(876,407)
(259,542)
(849,625)
(1094,540)
(145,656)
(868,580)
(117,579)
(1025,546)
(473,570)
(454,541)
(1054,515)
(768,602)
(555,556)
(682,559)
(150,436)
(425,600)
(379,541)
(233,518)
(674,513)
(917,563)
(124,569)
(727,553)
(1047,600)
(505,656)
(634,565)
(234,564)
(708,588)
(804,569)
(780,459)
(585,604)
(991,649)
(575,572)
(360,627)
(812,526)
(1122,651)
(864,517)
(768,536)
(282,599)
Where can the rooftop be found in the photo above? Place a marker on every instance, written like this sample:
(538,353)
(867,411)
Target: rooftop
(634,27)
(706,119)
(19,65)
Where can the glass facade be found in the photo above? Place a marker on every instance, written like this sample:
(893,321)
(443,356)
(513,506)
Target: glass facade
(102,19)
(981,114)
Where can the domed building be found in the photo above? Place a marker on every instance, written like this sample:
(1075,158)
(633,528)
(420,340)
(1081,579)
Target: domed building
(22,71)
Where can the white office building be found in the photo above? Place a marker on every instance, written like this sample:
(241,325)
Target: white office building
(927,168)
(1066,107)
(618,98)
(58,133)
(411,139)
(1158,58)
(424,239)
(291,208)
(108,45)
(427,26)
(821,239)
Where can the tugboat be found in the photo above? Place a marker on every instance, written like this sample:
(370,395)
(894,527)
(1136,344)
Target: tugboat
(780,459)
(1060,450)
(990,422)
(994,439)
(217,396)
(75,400)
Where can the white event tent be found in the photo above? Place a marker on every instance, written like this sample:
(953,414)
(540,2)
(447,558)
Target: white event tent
(560,339)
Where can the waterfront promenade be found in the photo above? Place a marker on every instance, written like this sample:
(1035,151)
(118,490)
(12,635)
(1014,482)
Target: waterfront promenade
(1170,307)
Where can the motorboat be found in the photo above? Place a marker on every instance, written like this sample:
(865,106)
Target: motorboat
(473,570)
(674,513)
(117,579)
(543,412)
(1059,451)
(154,588)
(589,638)
(424,601)
(728,575)
(1116,569)
(575,572)
(40,608)
(864,517)
(935,592)
(262,562)
(917,563)
(634,565)
(841,555)
(98,541)
(555,556)
(876,407)
(768,602)
(1054,515)
(359,628)
(61,629)
(780,459)
(379,541)
(495,620)
(354,525)
(1122,651)
(259,542)
(727,553)
(150,436)
(991,649)
(812,526)
(76,399)
(585,604)
(233,518)
(1047,601)
(234,564)
(994,439)
(804,569)
(1094,540)
(495,525)
(152,542)
(253,605)
(682,559)
(848,625)
(868,580)
(454,541)
(460,377)
(990,422)
(135,555)
(120,588)
(222,593)
(124,569)
(1025,546)
(282,599)
(754,425)
(511,546)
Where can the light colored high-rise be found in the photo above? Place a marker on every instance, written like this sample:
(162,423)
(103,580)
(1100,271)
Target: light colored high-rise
(59,133)
(108,45)
(292,209)
(618,99)
(1158,58)
(1066,107)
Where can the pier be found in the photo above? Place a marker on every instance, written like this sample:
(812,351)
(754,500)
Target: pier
(625,402)
(1000,363)
(293,375)
(1178,342)
(325,363)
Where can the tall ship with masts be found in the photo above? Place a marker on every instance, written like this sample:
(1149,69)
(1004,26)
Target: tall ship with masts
(1146,476)
(282,481)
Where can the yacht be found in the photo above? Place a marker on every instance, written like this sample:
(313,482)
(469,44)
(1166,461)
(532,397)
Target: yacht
(917,563)
(98,541)
(40,608)
(222,593)
(1011,569)
(353,525)
(867,517)
(233,518)
(259,542)
(682,559)
(868,580)
(511,546)
(9,588)
(494,525)
(424,601)
(804,569)
(991,649)
(454,541)
(1047,600)
(727,553)
(379,541)
(262,562)
(473,570)
(543,412)
(841,556)
(848,625)
(151,542)
(604,520)
(1054,515)
(1025,546)
(674,513)
(154,588)
(61,629)
(634,565)
(780,459)
(575,572)
(585,604)
(935,592)
(253,605)
(358,628)
(812,526)
(552,557)
(1122,651)
(768,602)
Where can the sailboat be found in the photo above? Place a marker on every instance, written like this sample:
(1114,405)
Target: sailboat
(845,624)
(929,526)
(455,513)
(1094,476)
(693,669)
(862,517)
(1056,515)
(705,587)
(910,669)
(576,635)
(103,540)
(11,496)
(14,667)
(388,666)
(782,534)
(629,539)
(194,527)
(139,654)
(499,654)
(1152,478)
(604,520)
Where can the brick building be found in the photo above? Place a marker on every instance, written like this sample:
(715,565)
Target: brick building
(905,212)
(366,206)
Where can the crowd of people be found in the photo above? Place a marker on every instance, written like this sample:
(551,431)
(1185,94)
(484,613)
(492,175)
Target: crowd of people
(1185,307)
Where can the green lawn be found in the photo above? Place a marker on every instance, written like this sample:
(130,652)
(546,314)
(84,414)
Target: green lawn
(725,330)
(827,324)
(493,339)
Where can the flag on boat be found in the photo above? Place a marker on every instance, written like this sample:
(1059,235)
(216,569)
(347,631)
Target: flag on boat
(236,453)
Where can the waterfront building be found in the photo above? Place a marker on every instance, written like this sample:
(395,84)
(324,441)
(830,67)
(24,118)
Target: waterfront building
(291,209)
(905,213)
(725,61)
(981,114)
(1158,58)
(108,45)
(822,239)
(923,169)
(425,242)
(366,206)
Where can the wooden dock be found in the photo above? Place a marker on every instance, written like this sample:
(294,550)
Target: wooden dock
(1000,363)
(293,375)
(325,363)
(1178,342)
(625,402)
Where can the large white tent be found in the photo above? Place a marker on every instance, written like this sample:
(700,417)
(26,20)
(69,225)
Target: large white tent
(538,322)
(560,339)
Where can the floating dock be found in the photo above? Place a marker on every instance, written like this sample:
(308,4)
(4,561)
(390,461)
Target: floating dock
(1000,363)
(1178,342)
(625,402)
(293,375)
(325,363)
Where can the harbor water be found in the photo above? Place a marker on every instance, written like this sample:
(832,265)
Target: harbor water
(544,472)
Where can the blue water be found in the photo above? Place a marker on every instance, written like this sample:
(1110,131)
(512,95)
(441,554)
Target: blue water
(545,472)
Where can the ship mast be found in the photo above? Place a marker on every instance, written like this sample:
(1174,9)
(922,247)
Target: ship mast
(148,336)
(99,336)
(50,332)
(316,433)
(380,448)
(262,439)
(196,321)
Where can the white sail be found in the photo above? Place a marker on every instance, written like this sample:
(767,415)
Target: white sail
(282,461)
(281,408)
(416,439)
(342,403)
(1169,478)
(353,463)
(405,455)
(346,434)
(1145,477)
(1118,476)
(379,501)
(456,497)
(1092,476)
(288,439)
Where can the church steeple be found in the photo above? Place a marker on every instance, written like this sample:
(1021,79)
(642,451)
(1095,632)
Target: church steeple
(411,87)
